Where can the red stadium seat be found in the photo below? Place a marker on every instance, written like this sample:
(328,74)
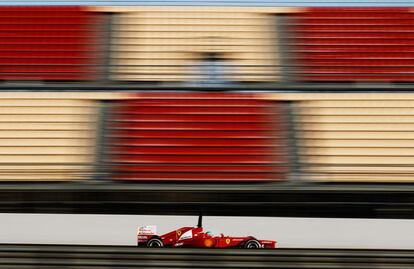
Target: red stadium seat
(48,43)
(355,44)
(193,137)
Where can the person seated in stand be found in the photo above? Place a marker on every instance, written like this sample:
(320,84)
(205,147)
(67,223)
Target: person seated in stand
(213,70)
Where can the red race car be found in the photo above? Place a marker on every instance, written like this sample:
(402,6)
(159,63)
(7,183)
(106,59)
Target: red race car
(195,237)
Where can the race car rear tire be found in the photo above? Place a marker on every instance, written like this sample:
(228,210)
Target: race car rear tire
(155,243)
(252,244)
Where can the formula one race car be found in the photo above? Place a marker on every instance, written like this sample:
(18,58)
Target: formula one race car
(195,237)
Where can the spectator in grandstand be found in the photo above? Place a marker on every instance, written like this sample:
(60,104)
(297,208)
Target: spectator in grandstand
(213,70)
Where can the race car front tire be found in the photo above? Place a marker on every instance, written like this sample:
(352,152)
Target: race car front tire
(252,244)
(155,243)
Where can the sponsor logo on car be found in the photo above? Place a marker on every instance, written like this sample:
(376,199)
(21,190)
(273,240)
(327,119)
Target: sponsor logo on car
(147,230)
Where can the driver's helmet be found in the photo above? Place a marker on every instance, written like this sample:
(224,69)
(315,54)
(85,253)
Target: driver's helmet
(210,233)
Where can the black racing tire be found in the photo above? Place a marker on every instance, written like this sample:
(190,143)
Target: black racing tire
(252,243)
(155,243)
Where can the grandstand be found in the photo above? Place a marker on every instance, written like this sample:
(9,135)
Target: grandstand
(317,100)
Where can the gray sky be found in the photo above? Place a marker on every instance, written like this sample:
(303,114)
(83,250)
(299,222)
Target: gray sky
(289,232)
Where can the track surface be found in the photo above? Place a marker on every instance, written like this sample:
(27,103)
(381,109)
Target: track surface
(77,257)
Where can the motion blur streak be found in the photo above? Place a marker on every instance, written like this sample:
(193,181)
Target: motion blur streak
(289,232)
(274,3)
(79,257)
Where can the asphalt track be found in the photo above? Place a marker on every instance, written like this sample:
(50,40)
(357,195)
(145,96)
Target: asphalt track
(103,230)
(82,257)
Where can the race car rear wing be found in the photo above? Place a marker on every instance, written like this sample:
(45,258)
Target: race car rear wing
(145,233)
(147,230)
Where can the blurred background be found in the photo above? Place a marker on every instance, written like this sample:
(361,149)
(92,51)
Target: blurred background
(288,120)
